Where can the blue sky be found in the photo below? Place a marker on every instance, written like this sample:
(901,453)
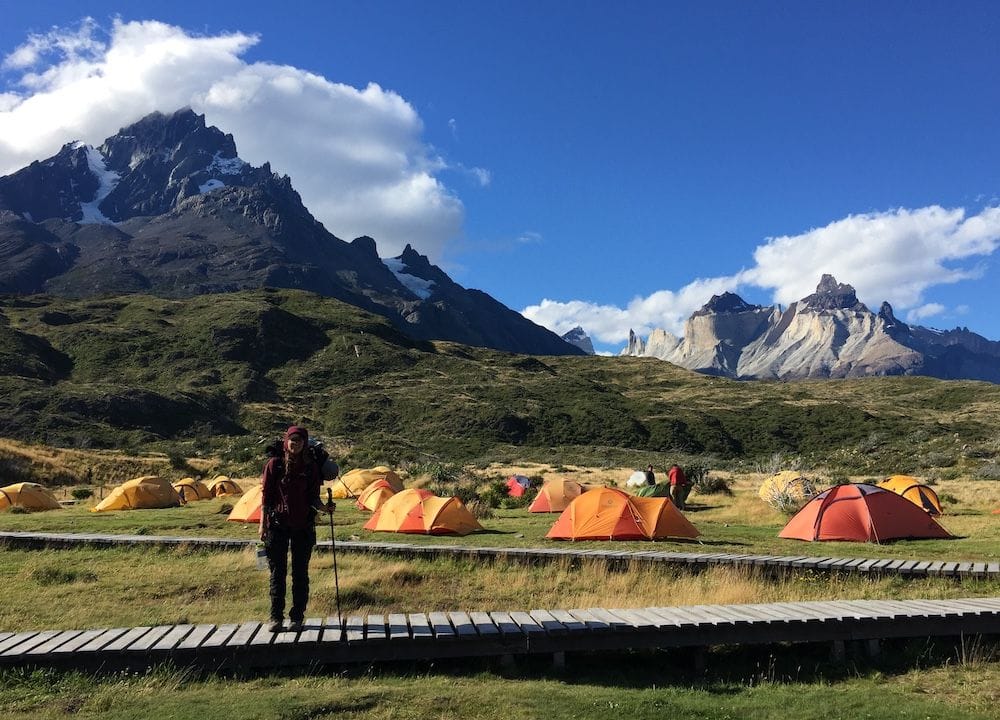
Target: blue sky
(621,161)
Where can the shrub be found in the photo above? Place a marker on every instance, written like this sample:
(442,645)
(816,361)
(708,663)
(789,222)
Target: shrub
(479,509)
(18,510)
(947,499)
(706,484)
(82,493)
(988,471)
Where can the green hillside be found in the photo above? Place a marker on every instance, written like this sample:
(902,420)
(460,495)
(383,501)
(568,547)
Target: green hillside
(217,373)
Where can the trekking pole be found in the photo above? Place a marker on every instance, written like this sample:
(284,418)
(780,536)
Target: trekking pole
(330,507)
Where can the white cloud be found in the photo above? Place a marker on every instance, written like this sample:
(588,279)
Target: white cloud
(895,255)
(919,314)
(355,155)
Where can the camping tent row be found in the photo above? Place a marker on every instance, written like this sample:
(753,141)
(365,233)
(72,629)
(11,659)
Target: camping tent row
(30,496)
(144,492)
(351,484)
(247,510)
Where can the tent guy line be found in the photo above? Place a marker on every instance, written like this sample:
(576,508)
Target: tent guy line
(773,563)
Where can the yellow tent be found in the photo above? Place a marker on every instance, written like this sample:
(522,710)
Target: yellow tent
(30,496)
(141,493)
(419,511)
(374,495)
(247,510)
(353,483)
(915,491)
(556,495)
(190,489)
(788,485)
(222,486)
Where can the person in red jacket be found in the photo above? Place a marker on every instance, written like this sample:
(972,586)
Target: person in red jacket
(290,500)
(679,486)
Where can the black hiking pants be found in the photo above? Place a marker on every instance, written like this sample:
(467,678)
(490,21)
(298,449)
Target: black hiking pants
(278,542)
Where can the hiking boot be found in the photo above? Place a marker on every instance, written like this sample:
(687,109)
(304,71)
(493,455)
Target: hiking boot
(295,626)
(274,626)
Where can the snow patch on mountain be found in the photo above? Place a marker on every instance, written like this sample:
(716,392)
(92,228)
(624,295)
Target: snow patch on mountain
(106,181)
(418,286)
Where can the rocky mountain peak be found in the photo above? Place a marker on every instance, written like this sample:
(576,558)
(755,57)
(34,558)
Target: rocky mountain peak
(831,295)
(727,302)
(578,337)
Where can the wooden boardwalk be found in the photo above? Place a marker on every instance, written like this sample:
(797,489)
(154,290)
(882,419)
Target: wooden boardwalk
(436,635)
(815,561)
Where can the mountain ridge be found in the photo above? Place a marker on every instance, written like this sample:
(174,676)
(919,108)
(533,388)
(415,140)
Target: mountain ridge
(166,206)
(827,334)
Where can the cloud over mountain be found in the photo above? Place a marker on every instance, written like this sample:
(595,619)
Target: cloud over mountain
(896,255)
(355,155)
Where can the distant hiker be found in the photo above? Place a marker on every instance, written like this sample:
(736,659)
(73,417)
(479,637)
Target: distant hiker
(290,500)
(650,477)
(679,486)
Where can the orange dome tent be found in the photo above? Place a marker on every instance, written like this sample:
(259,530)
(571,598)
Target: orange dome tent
(861,513)
(247,509)
(556,495)
(190,489)
(141,493)
(611,514)
(352,484)
(419,511)
(914,491)
(222,486)
(375,494)
(30,496)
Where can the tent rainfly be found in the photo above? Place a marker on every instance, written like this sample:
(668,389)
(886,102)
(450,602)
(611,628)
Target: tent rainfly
(141,493)
(915,491)
(861,513)
(612,514)
(190,489)
(223,486)
(556,495)
(373,496)
(351,484)
(517,485)
(247,509)
(421,512)
(30,496)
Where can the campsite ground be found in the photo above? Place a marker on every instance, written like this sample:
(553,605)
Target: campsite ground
(90,587)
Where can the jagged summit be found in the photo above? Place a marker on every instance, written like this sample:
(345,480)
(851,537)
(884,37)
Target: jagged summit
(166,206)
(831,295)
(727,302)
(577,336)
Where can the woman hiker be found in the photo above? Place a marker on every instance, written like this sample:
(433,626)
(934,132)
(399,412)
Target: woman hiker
(290,501)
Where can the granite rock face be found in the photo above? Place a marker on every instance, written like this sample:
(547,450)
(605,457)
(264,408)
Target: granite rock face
(828,334)
(166,206)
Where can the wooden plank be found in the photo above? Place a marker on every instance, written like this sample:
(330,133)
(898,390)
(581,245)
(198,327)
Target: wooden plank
(548,622)
(5,635)
(78,642)
(570,623)
(311,630)
(675,615)
(484,623)
(243,635)
(505,624)
(634,619)
(149,639)
(440,625)
(16,639)
(354,630)
(126,639)
(934,568)
(54,642)
(196,637)
(527,624)
(220,636)
(375,628)
(172,638)
(420,627)
(592,622)
(102,640)
(398,628)
(258,636)
(464,627)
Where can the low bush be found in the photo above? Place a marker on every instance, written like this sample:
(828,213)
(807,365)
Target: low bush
(82,493)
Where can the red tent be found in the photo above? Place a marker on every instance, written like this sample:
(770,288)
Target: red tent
(517,484)
(861,513)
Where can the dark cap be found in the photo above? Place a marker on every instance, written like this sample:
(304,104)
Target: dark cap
(296,430)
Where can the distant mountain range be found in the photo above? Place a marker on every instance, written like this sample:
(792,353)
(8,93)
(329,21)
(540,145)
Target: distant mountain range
(167,207)
(828,334)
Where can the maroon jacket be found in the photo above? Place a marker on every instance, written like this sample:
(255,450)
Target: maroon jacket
(290,497)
